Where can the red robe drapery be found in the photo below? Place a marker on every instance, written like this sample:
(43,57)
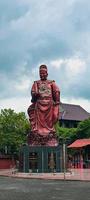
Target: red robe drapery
(44,111)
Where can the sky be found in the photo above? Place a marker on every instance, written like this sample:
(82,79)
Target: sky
(55,33)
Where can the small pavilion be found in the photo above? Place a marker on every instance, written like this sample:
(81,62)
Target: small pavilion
(80,154)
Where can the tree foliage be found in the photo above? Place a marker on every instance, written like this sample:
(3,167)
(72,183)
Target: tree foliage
(83,129)
(15,126)
(13,130)
(69,134)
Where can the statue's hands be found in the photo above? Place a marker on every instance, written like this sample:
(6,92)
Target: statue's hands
(35,96)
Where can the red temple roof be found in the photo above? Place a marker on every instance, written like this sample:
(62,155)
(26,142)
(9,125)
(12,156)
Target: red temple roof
(79,143)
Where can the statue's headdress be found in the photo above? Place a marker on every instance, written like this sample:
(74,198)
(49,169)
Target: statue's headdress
(43,67)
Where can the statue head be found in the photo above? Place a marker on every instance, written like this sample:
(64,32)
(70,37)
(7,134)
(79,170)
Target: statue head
(43,72)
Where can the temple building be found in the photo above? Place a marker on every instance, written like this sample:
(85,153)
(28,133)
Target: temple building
(71,115)
(81,153)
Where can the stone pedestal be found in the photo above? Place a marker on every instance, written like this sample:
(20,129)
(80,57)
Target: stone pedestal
(40,159)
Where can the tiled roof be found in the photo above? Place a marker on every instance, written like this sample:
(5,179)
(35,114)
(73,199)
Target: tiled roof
(80,143)
(73,112)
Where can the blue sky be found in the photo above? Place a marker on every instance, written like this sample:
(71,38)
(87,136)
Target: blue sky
(56,33)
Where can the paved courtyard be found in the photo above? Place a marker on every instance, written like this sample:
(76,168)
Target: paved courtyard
(72,174)
(36,189)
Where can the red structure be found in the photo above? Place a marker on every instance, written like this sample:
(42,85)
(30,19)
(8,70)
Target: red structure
(81,153)
(44,110)
(6,162)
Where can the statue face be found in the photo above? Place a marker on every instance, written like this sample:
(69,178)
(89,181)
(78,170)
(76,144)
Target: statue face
(43,74)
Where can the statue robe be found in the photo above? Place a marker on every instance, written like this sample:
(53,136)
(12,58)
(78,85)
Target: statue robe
(44,110)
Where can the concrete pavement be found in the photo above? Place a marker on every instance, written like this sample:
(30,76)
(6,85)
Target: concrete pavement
(72,174)
(38,189)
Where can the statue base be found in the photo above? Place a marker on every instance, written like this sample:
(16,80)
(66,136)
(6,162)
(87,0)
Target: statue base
(35,139)
(40,159)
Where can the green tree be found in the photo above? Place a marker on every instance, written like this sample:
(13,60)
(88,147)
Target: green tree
(13,130)
(66,133)
(83,129)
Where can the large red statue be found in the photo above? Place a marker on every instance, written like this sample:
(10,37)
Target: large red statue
(44,110)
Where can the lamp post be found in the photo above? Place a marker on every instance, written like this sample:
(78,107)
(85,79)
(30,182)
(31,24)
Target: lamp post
(6,150)
(64,159)
(63,142)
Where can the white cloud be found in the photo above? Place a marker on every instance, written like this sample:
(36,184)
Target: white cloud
(23,84)
(75,66)
(50,32)
(17,104)
(21,23)
(57,63)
